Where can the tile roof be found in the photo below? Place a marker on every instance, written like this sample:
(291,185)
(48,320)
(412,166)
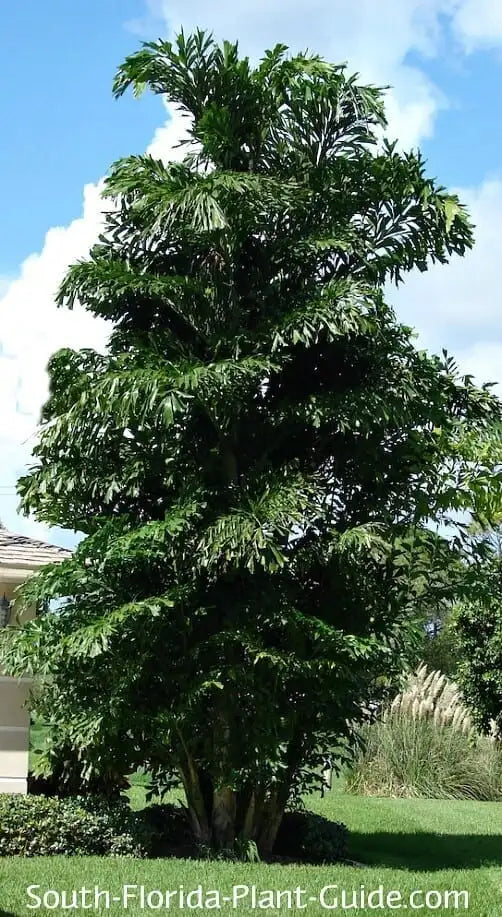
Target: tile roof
(27,553)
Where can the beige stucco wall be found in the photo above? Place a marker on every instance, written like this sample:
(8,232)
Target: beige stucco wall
(14,715)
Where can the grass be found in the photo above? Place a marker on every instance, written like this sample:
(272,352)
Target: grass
(402,844)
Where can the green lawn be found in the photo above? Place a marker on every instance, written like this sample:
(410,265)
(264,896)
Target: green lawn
(404,844)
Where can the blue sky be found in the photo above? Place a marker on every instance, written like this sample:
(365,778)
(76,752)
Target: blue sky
(61,125)
(62,129)
(467,141)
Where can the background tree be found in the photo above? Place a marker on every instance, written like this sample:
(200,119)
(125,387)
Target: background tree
(256,459)
(479,637)
(478,619)
(440,650)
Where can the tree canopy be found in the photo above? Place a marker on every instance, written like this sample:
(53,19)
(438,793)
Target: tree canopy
(479,630)
(258,458)
(478,623)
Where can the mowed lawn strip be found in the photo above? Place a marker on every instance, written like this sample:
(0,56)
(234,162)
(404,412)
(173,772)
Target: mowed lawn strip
(404,844)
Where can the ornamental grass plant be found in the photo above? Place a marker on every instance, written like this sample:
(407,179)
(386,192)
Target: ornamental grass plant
(425,744)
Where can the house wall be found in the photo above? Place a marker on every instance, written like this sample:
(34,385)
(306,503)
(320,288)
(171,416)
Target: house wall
(14,718)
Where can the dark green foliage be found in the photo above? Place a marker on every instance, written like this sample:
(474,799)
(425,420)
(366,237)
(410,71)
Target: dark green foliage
(311,838)
(440,649)
(479,635)
(69,781)
(169,829)
(257,458)
(39,826)
(56,769)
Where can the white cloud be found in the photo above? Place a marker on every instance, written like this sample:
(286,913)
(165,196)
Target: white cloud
(32,328)
(374,37)
(457,304)
(5,282)
(166,140)
(483,360)
(478,23)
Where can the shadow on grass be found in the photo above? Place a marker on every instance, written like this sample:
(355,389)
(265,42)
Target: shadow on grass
(426,850)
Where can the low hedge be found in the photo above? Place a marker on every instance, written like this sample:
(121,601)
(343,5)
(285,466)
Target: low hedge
(97,826)
(46,826)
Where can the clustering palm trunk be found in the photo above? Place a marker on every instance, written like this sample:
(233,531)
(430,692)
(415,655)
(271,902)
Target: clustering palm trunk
(227,815)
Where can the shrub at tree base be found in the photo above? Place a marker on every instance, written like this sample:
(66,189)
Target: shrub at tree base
(169,828)
(304,836)
(425,745)
(93,826)
(42,826)
(311,838)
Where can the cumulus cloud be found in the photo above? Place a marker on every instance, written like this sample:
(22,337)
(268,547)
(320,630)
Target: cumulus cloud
(5,282)
(483,361)
(455,305)
(374,38)
(165,144)
(32,328)
(478,23)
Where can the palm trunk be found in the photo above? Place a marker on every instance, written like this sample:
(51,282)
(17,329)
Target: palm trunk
(197,810)
(268,836)
(223,818)
(263,817)
(219,814)
(217,825)
(197,813)
(273,813)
